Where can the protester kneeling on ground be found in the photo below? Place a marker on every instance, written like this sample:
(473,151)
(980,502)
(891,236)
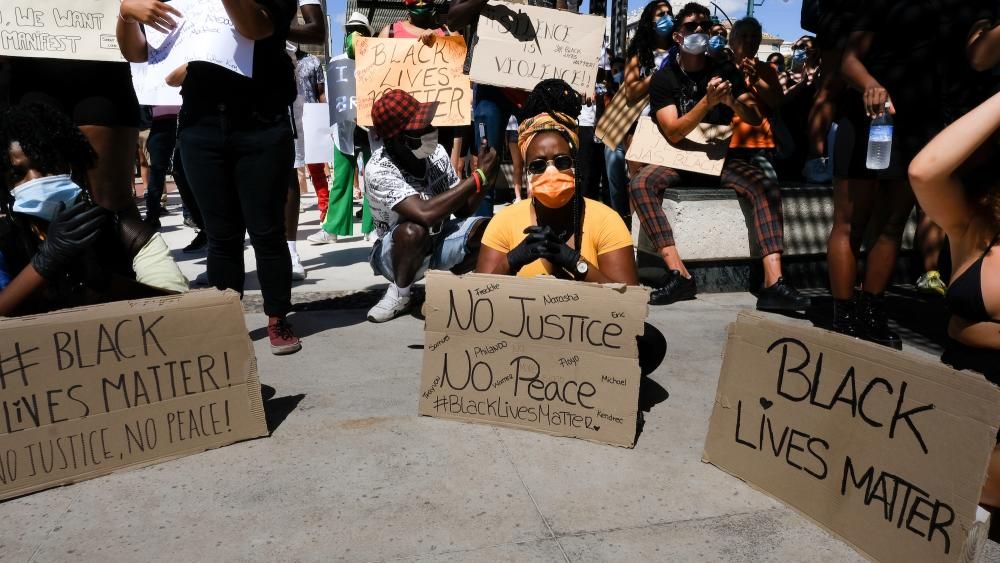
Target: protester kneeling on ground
(414,191)
(556,231)
(58,248)
(691,89)
(954,178)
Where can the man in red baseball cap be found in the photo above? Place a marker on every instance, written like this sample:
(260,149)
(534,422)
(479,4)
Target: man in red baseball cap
(414,192)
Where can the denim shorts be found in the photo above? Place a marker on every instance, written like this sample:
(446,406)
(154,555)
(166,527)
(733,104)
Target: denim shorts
(449,248)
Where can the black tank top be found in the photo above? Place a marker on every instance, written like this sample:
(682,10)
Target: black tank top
(965,299)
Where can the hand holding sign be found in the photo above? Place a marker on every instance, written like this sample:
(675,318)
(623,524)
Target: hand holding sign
(151,13)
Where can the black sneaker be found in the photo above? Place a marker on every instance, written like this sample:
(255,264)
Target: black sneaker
(782,297)
(153,222)
(189,223)
(197,245)
(673,288)
(873,322)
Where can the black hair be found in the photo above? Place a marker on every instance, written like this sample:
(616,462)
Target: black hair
(554,96)
(748,26)
(690,9)
(644,41)
(299,53)
(49,139)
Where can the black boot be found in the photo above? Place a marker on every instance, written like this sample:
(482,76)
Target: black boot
(873,323)
(845,316)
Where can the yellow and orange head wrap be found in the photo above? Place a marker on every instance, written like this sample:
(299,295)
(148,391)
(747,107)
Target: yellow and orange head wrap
(541,123)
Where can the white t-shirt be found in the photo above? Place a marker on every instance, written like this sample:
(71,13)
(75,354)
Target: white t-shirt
(308,3)
(588,115)
(388,185)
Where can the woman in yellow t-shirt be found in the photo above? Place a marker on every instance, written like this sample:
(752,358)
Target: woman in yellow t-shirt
(556,231)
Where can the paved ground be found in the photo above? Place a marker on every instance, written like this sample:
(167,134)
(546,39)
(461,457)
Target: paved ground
(351,473)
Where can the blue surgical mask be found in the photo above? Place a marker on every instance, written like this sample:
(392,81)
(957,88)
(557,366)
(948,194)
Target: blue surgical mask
(41,197)
(716,44)
(799,57)
(695,44)
(665,25)
(618,77)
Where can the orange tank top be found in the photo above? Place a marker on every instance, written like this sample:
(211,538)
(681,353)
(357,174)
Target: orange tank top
(746,136)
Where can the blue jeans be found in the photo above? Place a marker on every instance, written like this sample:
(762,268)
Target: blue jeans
(618,182)
(492,109)
(162,138)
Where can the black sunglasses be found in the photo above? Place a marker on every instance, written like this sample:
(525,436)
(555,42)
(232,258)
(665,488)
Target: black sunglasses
(690,27)
(562,162)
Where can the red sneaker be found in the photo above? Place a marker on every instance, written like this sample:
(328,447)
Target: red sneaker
(283,340)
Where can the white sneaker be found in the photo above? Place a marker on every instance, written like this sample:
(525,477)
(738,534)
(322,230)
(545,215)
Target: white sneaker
(298,271)
(321,237)
(391,306)
(368,237)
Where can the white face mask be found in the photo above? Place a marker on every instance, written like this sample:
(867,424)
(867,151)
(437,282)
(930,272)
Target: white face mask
(428,144)
(695,44)
(41,197)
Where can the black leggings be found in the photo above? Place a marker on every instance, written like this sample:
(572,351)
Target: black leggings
(237,163)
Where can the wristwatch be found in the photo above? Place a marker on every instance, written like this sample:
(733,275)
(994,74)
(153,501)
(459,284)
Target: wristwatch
(581,270)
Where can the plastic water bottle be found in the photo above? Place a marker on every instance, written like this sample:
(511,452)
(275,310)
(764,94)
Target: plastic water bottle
(880,141)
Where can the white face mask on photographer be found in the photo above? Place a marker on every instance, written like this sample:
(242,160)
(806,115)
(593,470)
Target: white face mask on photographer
(695,44)
(41,197)
(428,144)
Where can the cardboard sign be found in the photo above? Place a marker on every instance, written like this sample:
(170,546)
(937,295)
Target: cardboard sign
(703,150)
(88,391)
(618,118)
(518,46)
(317,134)
(60,29)
(543,354)
(886,449)
(429,73)
(342,90)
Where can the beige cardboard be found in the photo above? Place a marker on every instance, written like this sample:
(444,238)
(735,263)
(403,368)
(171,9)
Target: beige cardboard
(542,354)
(703,150)
(430,73)
(945,427)
(88,391)
(518,46)
(618,118)
(60,29)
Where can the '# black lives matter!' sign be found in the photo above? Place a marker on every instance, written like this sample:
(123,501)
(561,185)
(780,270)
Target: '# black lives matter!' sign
(88,391)
(543,354)
(886,449)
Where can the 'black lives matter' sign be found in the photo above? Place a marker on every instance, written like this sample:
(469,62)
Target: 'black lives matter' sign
(88,391)
(518,46)
(886,449)
(543,354)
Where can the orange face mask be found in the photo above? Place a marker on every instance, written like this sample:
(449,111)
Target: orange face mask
(553,188)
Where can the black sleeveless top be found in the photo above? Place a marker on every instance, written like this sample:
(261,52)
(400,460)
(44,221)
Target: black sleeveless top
(965,299)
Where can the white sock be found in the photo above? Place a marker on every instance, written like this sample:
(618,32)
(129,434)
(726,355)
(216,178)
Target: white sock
(292,249)
(399,291)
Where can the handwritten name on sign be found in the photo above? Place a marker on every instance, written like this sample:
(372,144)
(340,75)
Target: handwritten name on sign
(885,449)
(703,150)
(518,46)
(88,391)
(543,354)
(60,29)
(430,73)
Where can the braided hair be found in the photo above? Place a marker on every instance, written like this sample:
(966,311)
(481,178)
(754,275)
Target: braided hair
(644,41)
(49,139)
(554,96)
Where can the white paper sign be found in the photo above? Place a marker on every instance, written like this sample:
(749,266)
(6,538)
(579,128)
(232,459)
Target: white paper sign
(204,33)
(59,29)
(317,133)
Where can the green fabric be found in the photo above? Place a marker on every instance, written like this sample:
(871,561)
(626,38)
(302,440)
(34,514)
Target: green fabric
(340,212)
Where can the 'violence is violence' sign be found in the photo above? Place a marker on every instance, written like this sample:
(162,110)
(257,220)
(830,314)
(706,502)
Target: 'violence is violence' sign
(430,73)
(543,354)
(60,29)
(88,391)
(888,450)
(518,46)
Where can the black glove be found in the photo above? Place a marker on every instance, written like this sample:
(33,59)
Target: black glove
(531,248)
(561,255)
(134,233)
(69,234)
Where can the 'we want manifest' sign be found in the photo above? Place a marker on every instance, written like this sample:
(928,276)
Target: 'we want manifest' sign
(886,449)
(518,46)
(543,354)
(60,29)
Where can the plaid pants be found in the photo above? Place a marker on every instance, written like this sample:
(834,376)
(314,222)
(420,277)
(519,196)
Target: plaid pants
(746,179)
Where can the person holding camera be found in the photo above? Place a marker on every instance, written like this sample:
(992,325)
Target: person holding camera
(691,89)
